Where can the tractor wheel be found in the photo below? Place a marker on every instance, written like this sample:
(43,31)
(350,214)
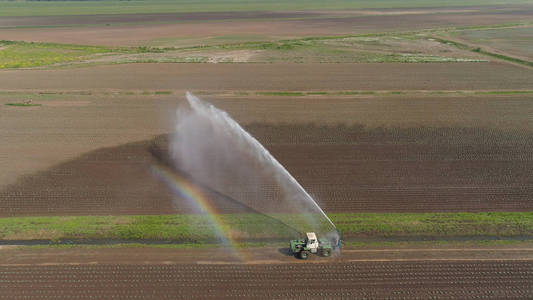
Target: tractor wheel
(326,252)
(304,254)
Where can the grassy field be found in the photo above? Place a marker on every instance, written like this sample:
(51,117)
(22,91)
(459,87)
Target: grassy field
(44,8)
(196,229)
(425,46)
(27,55)
(401,48)
(19,54)
(379,48)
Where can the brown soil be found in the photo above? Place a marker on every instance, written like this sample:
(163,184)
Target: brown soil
(269,25)
(393,76)
(144,18)
(200,274)
(501,47)
(347,169)
(393,153)
(37,138)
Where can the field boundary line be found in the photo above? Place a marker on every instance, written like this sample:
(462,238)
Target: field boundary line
(436,250)
(435,259)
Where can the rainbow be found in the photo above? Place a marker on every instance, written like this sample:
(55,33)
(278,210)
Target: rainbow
(184,188)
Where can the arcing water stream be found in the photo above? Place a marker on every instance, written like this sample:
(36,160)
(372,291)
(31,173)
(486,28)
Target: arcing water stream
(212,148)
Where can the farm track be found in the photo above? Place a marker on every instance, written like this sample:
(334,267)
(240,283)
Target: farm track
(392,280)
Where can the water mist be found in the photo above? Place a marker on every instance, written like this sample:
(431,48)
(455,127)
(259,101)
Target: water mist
(214,150)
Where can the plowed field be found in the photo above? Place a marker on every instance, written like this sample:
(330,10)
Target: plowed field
(364,76)
(391,280)
(346,168)
(183,29)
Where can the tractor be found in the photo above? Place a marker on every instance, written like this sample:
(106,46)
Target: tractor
(302,248)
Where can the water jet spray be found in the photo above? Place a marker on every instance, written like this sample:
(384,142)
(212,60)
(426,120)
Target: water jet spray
(214,150)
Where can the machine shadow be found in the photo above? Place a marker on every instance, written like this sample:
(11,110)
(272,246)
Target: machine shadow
(285,251)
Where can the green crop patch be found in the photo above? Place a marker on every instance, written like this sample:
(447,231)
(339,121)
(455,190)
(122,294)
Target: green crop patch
(197,229)
(163,92)
(366,48)
(29,54)
(281,93)
(435,224)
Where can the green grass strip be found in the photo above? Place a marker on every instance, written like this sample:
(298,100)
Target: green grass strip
(501,224)
(281,93)
(197,229)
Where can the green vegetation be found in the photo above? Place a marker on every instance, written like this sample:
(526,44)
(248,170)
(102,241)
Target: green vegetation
(27,55)
(148,245)
(381,48)
(19,54)
(46,8)
(399,48)
(368,244)
(163,92)
(183,228)
(198,229)
(23,104)
(435,224)
(281,93)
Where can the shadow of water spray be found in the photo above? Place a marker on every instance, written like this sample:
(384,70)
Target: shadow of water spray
(216,152)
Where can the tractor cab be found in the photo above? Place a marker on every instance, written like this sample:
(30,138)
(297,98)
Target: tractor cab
(311,242)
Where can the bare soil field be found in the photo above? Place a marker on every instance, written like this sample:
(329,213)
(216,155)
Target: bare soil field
(516,42)
(303,77)
(444,278)
(129,30)
(381,174)
(353,154)
(103,19)
(100,19)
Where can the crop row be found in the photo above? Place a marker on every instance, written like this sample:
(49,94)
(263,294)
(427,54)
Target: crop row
(334,281)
